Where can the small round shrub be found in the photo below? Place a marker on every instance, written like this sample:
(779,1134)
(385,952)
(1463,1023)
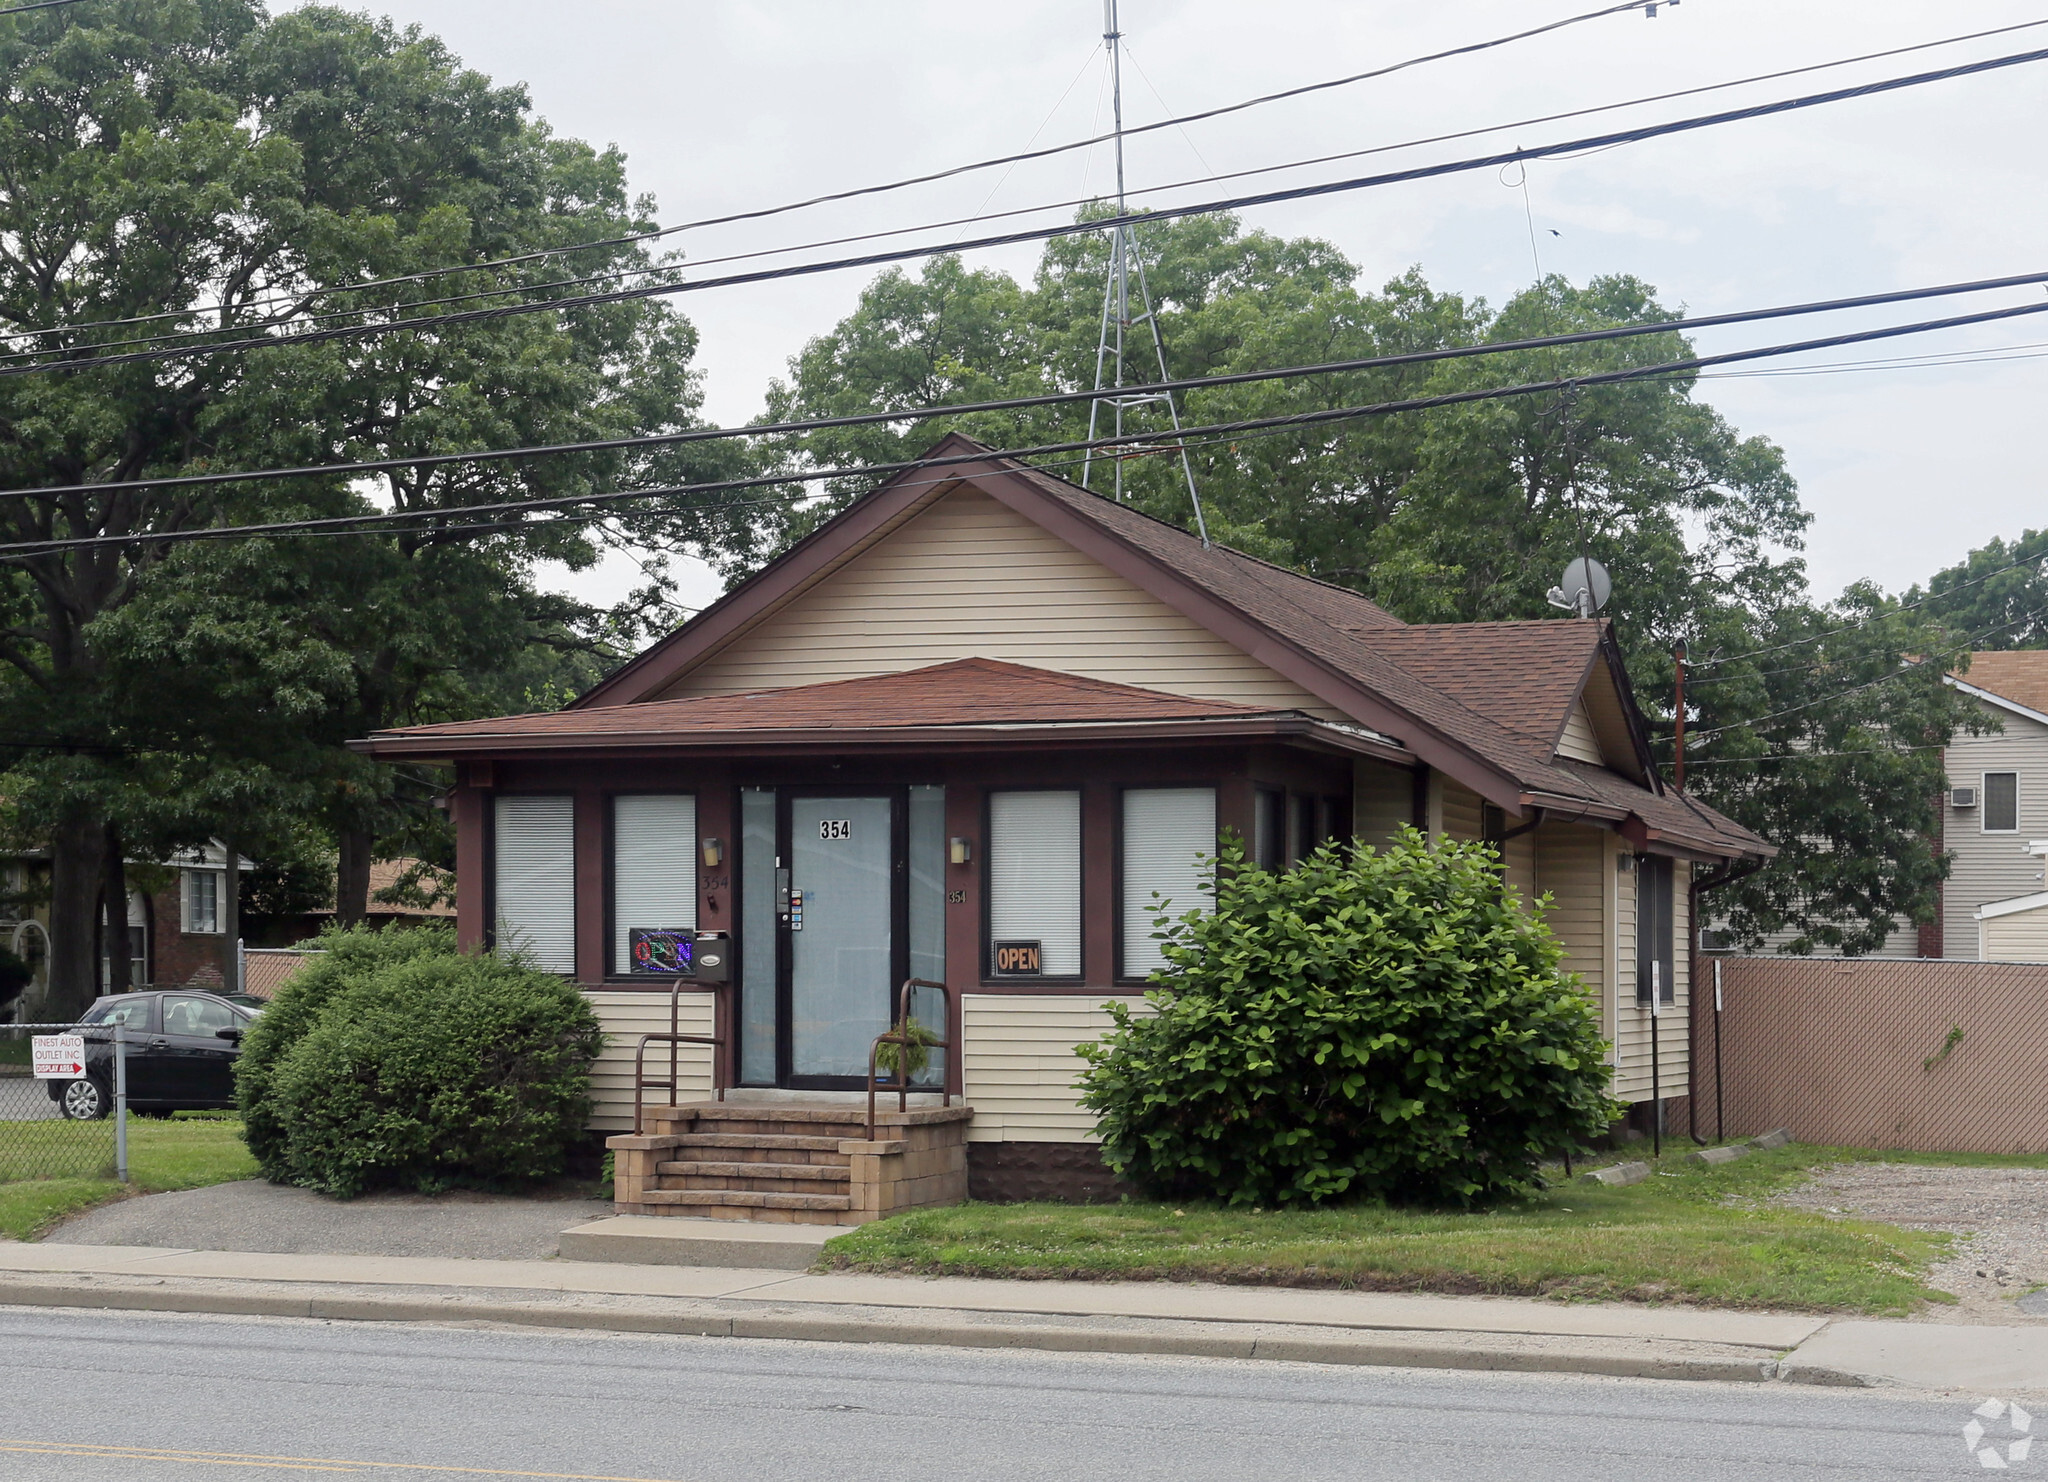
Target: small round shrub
(1387,1024)
(347,956)
(426,1071)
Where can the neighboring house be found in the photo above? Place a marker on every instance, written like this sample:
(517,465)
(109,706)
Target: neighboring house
(1994,904)
(964,732)
(173,937)
(1994,825)
(189,922)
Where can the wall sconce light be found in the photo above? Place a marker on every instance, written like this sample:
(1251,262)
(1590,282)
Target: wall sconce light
(959,851)
(714,853)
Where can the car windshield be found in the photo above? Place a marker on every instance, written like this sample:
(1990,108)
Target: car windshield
(118,1011)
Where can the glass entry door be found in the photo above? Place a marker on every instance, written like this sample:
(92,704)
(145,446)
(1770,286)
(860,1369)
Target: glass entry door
(841,932)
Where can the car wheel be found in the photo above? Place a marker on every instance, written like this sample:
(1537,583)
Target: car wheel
(85,1101)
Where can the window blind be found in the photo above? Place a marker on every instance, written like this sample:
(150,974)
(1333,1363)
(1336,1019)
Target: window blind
(654,868)
(1166,829)
(1034,876)
(535,883)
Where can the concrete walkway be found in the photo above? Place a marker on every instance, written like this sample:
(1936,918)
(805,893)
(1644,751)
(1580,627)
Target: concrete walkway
(1130,1317)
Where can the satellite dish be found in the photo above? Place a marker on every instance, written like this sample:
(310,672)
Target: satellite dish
(1585,588)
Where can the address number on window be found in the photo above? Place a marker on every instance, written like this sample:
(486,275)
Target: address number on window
(835,828)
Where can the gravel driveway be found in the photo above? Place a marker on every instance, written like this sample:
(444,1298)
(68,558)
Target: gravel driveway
(253,1215)
(2002,1211)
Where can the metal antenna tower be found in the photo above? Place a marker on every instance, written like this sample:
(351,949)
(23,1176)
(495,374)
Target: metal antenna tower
(1117,320)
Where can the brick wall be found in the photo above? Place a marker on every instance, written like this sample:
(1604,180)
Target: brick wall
(1851,1052)
(176,959)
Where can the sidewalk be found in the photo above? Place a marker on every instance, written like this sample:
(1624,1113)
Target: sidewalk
(1148,1317)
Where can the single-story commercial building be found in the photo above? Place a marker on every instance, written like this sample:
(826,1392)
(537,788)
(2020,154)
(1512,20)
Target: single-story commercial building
(964,732)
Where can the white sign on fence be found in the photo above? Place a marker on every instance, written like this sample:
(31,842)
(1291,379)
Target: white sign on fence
(58,1057)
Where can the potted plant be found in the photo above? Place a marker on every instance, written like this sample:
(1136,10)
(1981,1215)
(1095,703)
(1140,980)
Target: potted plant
(909,1057)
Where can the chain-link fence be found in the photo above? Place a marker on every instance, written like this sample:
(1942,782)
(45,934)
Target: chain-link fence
(37,1137)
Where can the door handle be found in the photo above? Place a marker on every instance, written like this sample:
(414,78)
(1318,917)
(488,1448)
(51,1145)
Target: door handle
(158,1044)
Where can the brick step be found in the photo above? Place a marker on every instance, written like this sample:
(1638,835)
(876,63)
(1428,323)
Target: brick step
(781,1142)
(815,1172)
(748,1199)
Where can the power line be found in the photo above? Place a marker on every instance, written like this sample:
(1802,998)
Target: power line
(41,5)
(1294,420)
(630,239)
(1056,398)
(308,295)
(1854,689)
(1978,580)
(1040,234)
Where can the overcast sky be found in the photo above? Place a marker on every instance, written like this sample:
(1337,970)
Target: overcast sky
(730,105)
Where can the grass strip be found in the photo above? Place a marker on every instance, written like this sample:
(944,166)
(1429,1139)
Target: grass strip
(1689,1233)
(181,1153)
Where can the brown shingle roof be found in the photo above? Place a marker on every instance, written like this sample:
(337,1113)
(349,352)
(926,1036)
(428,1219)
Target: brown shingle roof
(1522,675)
(1497,693)
(2018,674)
(963,692)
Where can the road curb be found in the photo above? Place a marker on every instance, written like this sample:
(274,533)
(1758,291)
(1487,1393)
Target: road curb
(820,1324)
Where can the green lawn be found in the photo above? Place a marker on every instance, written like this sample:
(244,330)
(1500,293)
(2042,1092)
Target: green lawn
(186,1152)
(1689,1233)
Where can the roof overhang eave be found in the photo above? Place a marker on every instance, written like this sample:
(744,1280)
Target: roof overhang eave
(981,736)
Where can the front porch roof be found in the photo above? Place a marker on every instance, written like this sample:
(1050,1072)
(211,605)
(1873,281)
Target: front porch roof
(983,702)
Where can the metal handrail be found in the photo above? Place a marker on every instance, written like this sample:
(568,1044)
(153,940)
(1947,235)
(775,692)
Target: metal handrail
(675,1039)
(898,1034)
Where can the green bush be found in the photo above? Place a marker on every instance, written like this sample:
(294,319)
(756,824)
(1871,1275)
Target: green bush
(1388,1024)
(347,957)
(408,1064)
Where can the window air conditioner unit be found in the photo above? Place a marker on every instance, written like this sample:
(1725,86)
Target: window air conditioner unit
(1716,941)
(1962,797)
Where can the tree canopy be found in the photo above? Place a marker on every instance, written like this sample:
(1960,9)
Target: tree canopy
(209,170)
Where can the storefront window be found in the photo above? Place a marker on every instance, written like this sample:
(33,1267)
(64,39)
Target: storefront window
(1167,832)
(535,879)
(928,918)
(654,882)
(1034,884)
(757,936)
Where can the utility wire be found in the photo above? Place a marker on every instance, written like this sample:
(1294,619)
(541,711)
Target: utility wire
(1293,420)
(309,295)
(1854,689)
(1040,234)
(41,5)
(1012,160)
(2036,562)
(1058,398)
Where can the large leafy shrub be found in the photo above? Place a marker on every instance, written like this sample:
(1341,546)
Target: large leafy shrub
(408,1064)
(1388,1024)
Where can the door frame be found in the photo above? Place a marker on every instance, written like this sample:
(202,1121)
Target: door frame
(898,797)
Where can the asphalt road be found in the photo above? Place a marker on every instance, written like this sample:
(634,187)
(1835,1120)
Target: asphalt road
(115,1398)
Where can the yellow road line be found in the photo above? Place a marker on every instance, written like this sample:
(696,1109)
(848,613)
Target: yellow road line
(299,1463)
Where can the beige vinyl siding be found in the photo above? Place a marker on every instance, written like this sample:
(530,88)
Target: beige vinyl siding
(2020,936)
(1461,808)
(1461,821)
(1571,865)
(627,1016)
(1579,741)
(1018,1065)
(1633,1073)
(970,578)
(1382,801)
(1992,867)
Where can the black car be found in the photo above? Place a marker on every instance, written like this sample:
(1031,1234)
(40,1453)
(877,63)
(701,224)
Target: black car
(181,1054)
